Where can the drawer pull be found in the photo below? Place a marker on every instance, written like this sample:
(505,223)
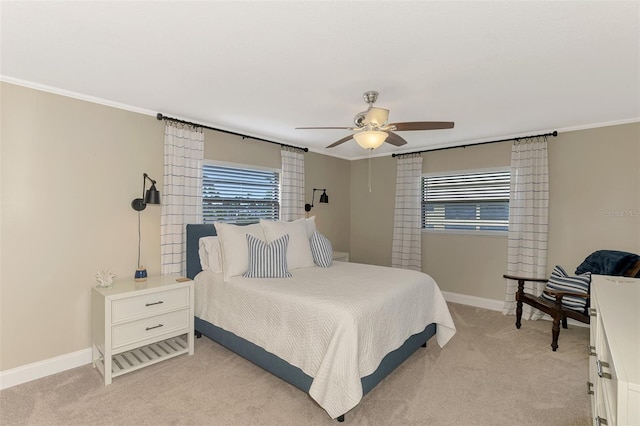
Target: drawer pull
(155,326)
(589,388)
(592,351)
(599,365)
(154,303)
(592,312)
(601,421)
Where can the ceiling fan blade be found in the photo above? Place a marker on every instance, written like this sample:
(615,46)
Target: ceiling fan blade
(343,140)
(423,125)
(340,128)
(395,139)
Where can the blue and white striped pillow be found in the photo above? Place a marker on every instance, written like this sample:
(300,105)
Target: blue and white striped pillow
(321,250)
(267,260)
(561,281)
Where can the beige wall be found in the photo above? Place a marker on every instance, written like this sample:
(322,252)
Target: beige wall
(594,181)
(332,219)
(69,170)
(372,205)
(595,204)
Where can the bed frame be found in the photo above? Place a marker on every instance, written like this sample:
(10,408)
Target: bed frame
(273,364)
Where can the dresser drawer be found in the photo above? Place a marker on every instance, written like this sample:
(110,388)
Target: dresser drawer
(148,328)
(149,304)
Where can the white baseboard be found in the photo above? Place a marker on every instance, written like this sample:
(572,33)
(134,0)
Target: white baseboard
(493,305)
(37,370)
(478,302)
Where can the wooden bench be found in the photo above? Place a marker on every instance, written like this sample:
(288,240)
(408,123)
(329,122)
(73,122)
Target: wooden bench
(558,312)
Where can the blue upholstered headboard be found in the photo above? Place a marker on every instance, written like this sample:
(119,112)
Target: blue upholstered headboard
(194,233)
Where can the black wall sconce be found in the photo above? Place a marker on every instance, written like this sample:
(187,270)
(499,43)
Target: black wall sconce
(152,195)
(324,198)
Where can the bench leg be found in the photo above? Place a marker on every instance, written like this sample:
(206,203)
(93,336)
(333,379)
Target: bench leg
(519,303)
(555,331)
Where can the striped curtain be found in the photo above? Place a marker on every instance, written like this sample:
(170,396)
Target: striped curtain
(182,192)
(292,184)
(406,251)
(528,220)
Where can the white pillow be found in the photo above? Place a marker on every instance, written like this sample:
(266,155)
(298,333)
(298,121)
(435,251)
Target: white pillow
(310,223)
(204,257)
(234,247)
(210,254)
(299,250)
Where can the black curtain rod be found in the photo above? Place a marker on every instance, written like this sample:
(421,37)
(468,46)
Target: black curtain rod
(160,116)
(554,134)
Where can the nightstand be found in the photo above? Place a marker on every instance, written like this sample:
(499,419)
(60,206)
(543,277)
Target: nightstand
(135,324)
(341,256)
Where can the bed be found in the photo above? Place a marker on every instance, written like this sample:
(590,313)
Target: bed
(335,371)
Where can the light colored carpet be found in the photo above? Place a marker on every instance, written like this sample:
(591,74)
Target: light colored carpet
(490,373)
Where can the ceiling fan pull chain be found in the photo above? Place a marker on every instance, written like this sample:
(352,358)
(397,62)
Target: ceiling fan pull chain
(369,165)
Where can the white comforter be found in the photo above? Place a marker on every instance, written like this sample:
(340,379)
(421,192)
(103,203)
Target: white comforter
(335,324)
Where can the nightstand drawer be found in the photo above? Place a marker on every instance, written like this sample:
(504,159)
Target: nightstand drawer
(149,304)
(147,328)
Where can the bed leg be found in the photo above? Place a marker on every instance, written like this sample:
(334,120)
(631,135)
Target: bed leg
(424,345)
(198,334)
(340,418)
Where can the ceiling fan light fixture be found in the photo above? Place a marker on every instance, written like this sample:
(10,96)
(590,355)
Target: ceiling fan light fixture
(370,139)
(376,117)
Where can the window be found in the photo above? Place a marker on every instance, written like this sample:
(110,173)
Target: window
(466,201)
(239,194)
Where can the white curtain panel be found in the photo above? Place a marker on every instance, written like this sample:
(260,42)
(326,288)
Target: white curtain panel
(528,220)
(406,251)
(292,184)
(182,192)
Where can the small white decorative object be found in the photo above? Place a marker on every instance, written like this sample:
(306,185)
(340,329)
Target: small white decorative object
(105,278)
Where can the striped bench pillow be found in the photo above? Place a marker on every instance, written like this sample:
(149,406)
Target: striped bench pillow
(561,281)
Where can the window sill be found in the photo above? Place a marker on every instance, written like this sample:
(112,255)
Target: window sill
(503,234)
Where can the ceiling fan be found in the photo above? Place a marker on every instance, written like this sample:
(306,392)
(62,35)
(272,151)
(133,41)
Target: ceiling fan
(372,129)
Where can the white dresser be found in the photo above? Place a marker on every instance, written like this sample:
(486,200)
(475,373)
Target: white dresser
(614,361)
(135,324)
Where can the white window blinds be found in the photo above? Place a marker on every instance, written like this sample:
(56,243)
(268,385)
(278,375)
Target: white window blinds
(473,201)
(239,195)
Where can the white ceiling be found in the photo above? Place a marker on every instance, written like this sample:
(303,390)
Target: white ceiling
(262,68)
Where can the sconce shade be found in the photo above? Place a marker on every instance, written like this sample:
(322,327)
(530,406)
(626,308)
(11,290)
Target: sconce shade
(370,139)
(152,196)
(324,198)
